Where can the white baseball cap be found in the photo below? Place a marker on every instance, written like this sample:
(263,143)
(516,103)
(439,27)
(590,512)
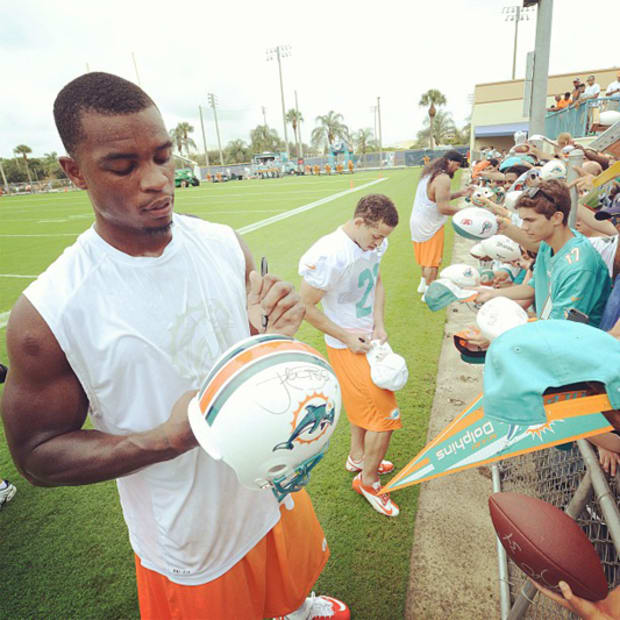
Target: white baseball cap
(498,315)
(388,370)
(461,274)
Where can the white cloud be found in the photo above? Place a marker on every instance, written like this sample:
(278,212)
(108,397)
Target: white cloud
(343,56)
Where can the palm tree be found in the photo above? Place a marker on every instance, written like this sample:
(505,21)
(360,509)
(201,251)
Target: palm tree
(177,138)
(237,151)
(295,118)
(432,98)
(363,138)
(330,127)
(263,138)
(444,129)
(23,150)
(180,135)
(51,165)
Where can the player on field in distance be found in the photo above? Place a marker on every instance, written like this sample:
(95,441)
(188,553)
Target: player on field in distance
(341,272)
(431,209)
(125,325)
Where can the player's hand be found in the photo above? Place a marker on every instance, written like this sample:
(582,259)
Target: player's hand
(607,609)
(379,334)
(278,301)
(484,294)
(357,343)
(608,460)
(176,429)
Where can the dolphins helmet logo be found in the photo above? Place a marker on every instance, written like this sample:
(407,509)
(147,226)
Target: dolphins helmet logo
(486,225)
(313,417)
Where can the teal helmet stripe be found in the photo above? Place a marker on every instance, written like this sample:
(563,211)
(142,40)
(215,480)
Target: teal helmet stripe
(246,344)
(252,369)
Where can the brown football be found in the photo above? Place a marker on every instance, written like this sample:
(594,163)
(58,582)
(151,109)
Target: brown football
(547,545)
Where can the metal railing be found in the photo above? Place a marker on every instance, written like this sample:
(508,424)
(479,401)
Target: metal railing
(577,120)
(570,479)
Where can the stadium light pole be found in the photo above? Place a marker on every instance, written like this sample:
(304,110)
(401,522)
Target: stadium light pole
(217,127)
(264,115)
(516,14)
(4,181)
(135,66)
(279,52)
(380,138)
(540,78)
(204,138)
(300,148)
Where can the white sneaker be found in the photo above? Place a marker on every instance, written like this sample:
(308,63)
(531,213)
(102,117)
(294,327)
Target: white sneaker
(7,493)
(422,286)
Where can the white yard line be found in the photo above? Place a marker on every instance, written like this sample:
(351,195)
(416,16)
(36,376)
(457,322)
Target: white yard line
(17,275)
(4,319)
(306,207)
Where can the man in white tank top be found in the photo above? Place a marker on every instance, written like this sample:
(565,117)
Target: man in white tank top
(431,208)
(124,326)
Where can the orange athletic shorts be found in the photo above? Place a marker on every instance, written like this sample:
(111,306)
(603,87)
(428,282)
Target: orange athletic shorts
(428,253)
(272,579)
(367,406)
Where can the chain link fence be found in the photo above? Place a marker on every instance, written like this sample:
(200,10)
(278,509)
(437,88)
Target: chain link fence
(572,480)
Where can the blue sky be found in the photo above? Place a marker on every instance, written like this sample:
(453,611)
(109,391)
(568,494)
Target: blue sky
(343,55)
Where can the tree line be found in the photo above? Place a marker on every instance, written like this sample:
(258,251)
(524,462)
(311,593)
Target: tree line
(438,128)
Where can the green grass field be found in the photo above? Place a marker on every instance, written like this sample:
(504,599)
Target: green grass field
(65,551)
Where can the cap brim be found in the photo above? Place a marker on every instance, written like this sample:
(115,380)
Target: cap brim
(467,355)
(603,215)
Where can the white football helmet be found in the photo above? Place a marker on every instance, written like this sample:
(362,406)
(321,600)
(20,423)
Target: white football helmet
(267,409)
(553,169)
(502,248)
(481,192)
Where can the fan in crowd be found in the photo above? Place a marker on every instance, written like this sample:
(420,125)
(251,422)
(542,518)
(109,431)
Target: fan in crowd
(563,272)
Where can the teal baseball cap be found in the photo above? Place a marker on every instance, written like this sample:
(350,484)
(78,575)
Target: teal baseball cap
(526,360)
(442,292)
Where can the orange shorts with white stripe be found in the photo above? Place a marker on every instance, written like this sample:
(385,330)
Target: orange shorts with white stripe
(272,579)
(429,253)
(367,406)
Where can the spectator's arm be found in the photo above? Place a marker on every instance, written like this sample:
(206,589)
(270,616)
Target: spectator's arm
(604,227)
(505,227)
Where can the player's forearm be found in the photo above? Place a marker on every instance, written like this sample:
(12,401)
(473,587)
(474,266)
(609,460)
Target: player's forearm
(446,208)
(88,456)
(379,306)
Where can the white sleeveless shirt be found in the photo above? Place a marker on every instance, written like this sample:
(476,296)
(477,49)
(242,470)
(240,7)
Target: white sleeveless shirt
(426,218)
(138,332)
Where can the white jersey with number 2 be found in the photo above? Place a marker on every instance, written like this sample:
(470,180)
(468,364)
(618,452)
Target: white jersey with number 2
(348,275)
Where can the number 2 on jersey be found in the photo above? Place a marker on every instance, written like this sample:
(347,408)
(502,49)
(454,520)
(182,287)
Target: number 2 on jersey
(367,278)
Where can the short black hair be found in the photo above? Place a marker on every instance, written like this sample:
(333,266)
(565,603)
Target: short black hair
(99,92)
(375,208)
